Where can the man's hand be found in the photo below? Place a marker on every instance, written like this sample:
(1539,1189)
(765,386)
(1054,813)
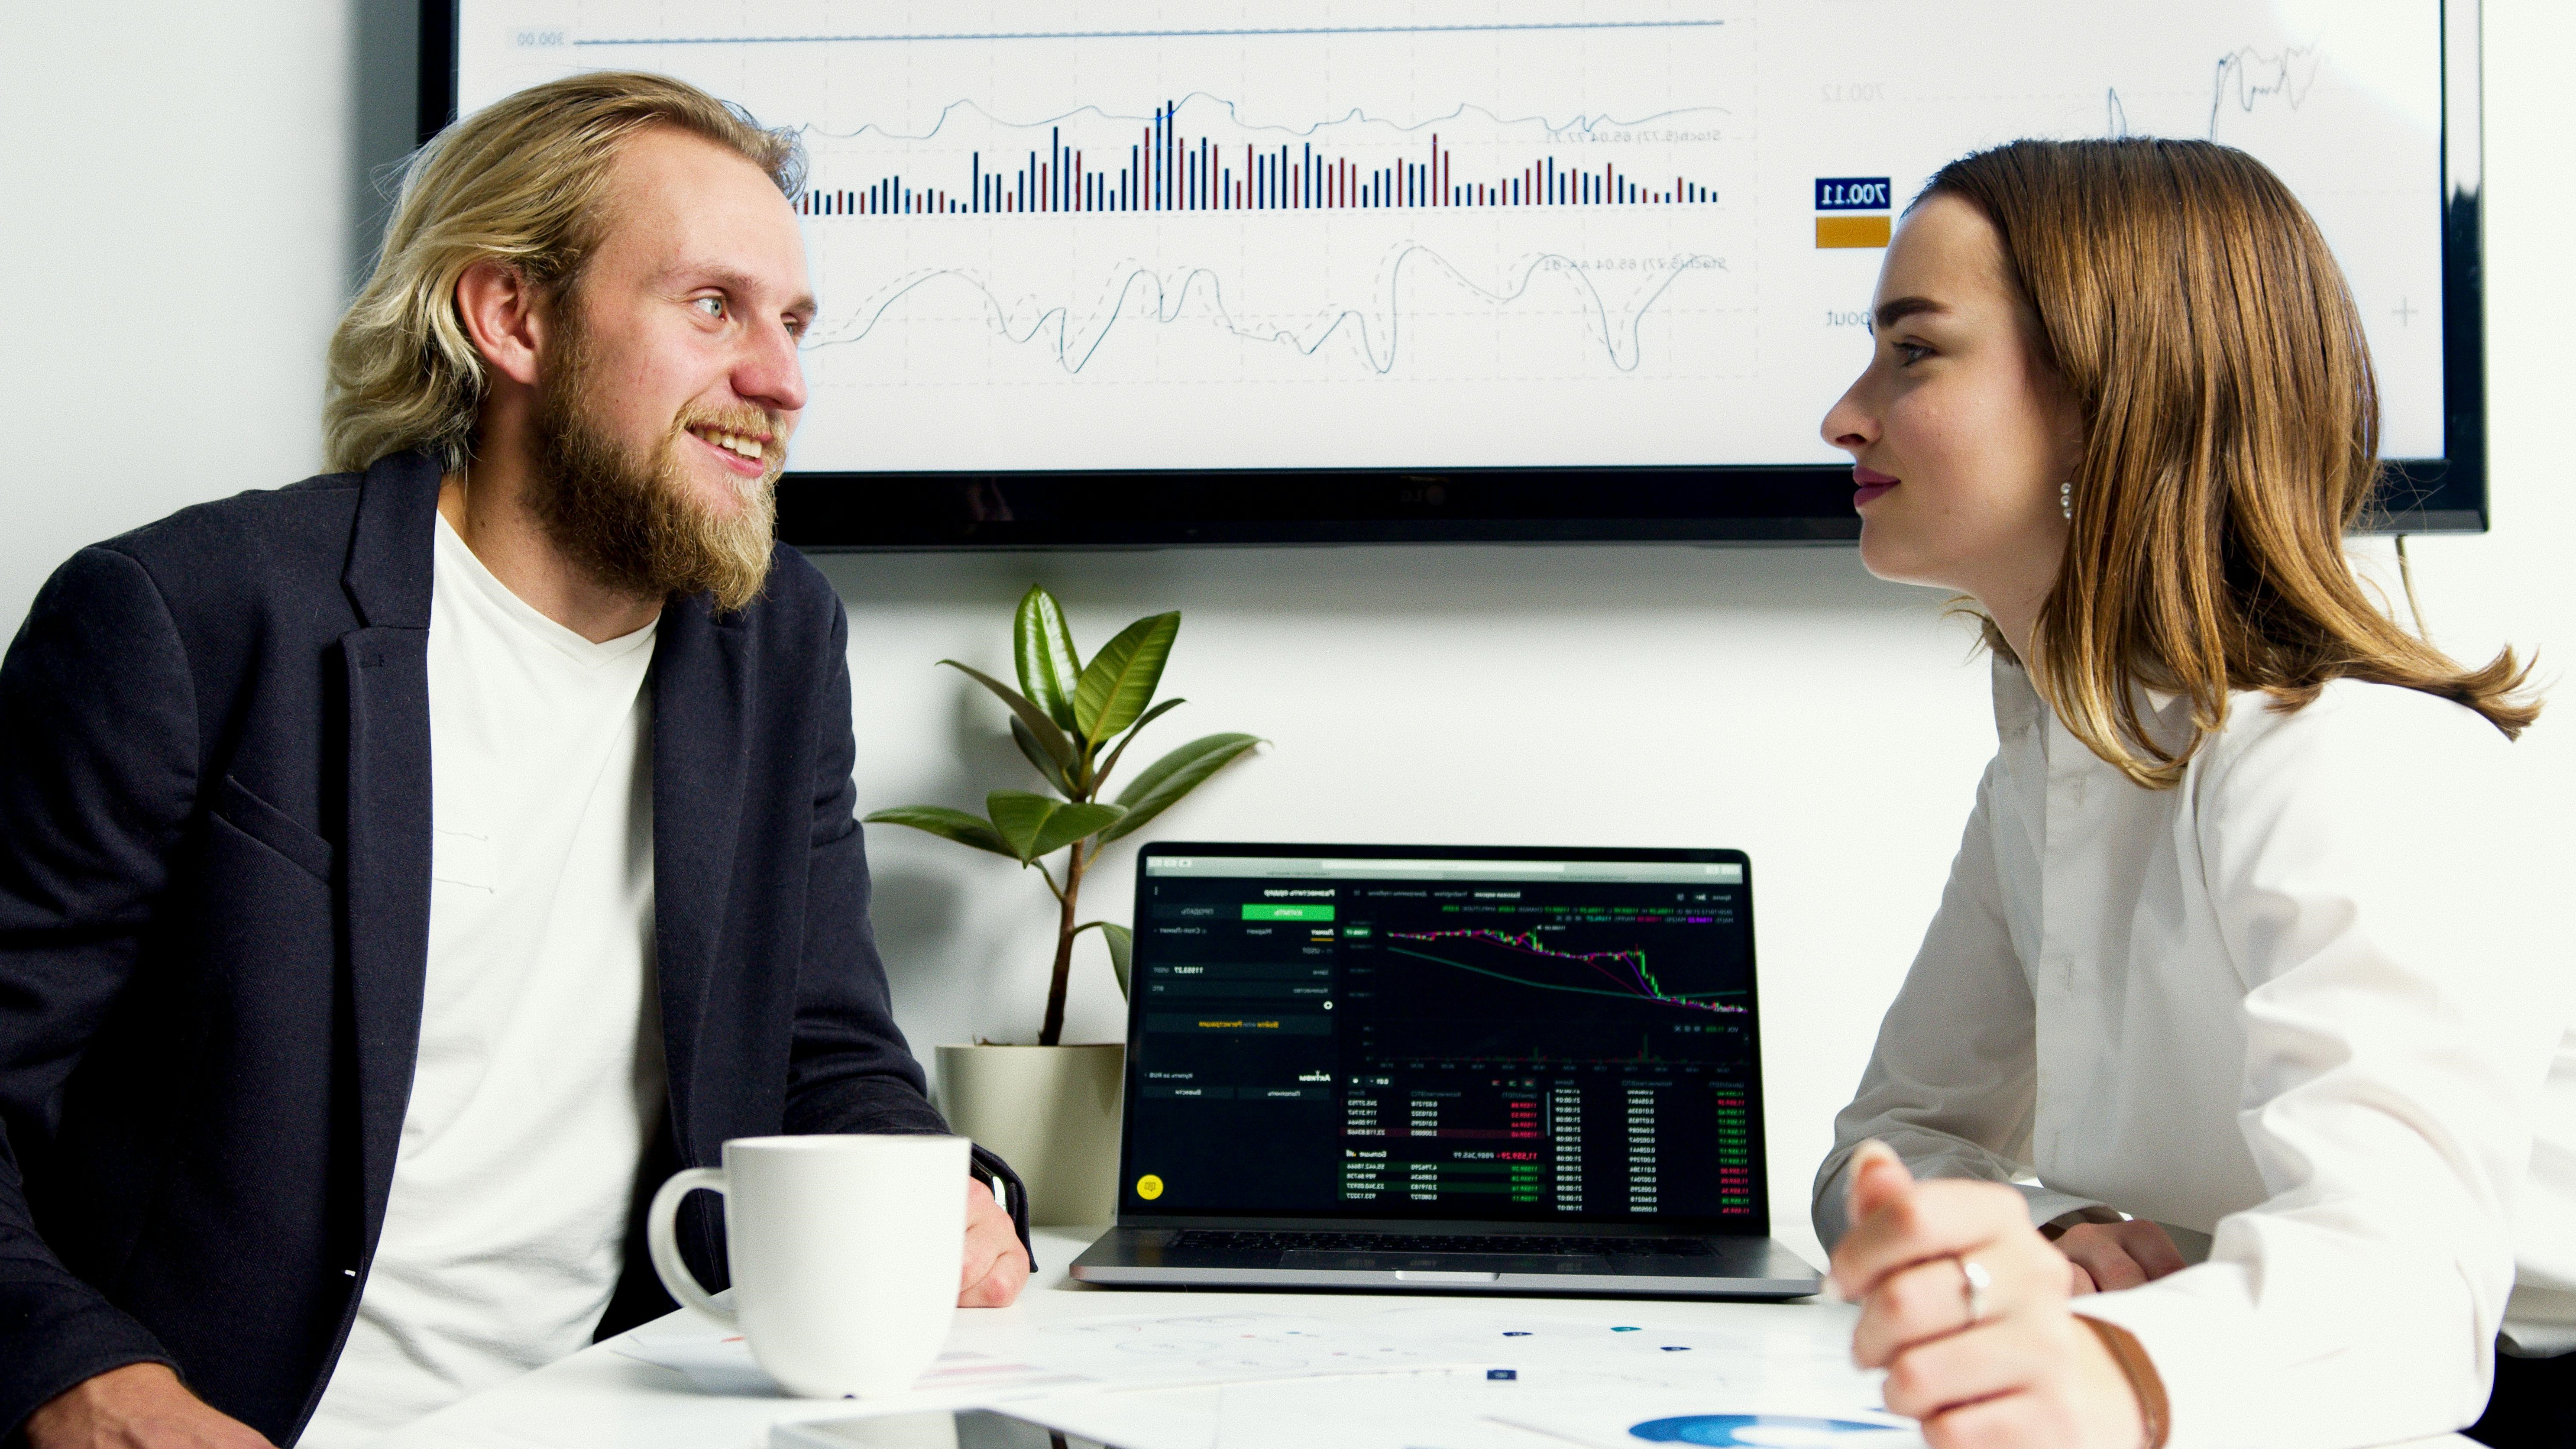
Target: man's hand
(139,1406)
(996,1266)
(2024,1374)
(2111,1256)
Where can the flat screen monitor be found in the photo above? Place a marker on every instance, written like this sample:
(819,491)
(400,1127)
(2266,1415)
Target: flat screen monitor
(1117,272)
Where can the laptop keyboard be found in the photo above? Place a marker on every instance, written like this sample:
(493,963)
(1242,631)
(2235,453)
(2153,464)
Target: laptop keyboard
(1229,1241)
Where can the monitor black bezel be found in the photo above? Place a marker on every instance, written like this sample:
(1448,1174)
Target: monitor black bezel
(1131,1214)
(1811,504)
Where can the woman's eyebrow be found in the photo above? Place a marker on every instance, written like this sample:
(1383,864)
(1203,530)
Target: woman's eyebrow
(1897,309)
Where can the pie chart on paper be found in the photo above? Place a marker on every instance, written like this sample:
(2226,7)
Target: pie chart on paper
(1763,1431)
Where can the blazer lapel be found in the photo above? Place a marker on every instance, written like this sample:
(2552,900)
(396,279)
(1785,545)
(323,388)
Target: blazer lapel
(703,682)
(386,889)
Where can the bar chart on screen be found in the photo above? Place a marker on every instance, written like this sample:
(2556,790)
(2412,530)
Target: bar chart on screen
(1212,226)
(1105,230)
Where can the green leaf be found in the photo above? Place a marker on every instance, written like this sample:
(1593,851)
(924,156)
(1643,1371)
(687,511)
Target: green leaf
(1042,647)
(1032,825)
(1119,681)
(1075,822)
(1041,728)
(954,825)
(1037,754)
(1122,947)
(1166,780)
(1101,775)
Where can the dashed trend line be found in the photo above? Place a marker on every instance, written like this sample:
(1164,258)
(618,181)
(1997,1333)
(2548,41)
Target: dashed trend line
(1466,112)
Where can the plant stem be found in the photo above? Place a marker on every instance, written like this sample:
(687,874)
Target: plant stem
(1053,1032)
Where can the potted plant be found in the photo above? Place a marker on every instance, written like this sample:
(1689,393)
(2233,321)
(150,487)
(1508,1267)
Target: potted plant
(1052,1109)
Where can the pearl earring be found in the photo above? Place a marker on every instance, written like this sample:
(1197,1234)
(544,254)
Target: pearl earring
(2066,499)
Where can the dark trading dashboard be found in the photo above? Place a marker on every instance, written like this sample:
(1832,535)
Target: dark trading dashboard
(1459,1049)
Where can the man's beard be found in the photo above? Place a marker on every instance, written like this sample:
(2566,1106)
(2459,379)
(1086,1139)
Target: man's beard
(633,521)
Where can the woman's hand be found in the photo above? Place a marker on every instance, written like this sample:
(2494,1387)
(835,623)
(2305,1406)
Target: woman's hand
(2111,1256)
(1998,1367)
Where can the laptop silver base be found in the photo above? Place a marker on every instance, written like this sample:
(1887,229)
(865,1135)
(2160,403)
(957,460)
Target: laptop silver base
(1141,1257)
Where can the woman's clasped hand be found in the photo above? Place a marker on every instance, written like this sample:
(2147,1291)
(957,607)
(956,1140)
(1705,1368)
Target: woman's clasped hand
(1966,1307)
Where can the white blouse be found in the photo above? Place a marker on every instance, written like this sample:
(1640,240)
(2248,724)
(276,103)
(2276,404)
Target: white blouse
(2302,1011)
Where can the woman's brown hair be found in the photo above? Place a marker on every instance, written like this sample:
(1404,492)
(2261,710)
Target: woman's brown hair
(2231,438)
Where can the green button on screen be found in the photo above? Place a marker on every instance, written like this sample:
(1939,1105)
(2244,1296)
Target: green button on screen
(1287,913)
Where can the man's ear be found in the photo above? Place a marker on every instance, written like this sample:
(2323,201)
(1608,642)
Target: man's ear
(506,317)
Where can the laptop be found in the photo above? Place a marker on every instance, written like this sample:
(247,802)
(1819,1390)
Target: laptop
(1464,1068)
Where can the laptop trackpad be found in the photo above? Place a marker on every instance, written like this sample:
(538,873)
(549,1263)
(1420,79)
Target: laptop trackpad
(1407,1264)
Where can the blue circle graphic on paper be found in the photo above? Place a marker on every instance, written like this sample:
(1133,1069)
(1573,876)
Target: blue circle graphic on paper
(1757,1431)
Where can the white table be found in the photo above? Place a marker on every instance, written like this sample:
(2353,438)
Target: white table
(599,1399)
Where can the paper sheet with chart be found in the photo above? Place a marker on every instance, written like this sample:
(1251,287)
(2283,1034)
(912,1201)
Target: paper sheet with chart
(989,1356)
(1431,1377)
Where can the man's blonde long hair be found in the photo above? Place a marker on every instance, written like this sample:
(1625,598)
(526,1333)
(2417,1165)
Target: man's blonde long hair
(2231,438)
(521,182)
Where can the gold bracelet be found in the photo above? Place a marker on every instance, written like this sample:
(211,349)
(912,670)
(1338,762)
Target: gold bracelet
(2140,1371)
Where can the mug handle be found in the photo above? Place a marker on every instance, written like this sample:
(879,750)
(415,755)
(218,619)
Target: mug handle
(659,1236)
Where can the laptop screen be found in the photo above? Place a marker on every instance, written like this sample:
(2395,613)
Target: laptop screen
(1462,1034)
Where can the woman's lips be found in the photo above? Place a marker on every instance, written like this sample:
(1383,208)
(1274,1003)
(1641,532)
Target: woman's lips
(1871,483)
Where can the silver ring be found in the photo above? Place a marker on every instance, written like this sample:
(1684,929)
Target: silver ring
(1974,1284)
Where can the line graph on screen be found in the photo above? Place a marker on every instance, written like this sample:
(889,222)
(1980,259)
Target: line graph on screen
(1074,339)
(1524,959)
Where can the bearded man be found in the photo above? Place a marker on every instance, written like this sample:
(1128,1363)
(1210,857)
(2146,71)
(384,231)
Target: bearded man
(402,871)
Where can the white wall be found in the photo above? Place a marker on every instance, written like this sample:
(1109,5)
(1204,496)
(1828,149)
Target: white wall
(199,190)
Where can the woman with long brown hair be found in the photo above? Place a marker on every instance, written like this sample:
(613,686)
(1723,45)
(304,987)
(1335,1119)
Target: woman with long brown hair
(2228,1099)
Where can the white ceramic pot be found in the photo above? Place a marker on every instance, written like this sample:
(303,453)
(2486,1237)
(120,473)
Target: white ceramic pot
(1052,1112)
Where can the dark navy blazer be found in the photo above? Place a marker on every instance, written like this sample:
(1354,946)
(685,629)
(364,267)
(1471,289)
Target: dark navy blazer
(214,925)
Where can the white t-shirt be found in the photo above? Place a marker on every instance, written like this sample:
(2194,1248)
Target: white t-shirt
(540,1070)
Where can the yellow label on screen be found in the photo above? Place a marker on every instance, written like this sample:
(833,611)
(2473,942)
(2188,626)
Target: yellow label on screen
(1149,1187)
(1852,231)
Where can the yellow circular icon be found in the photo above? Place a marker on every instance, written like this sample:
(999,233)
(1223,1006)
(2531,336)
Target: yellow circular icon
(1149,1187)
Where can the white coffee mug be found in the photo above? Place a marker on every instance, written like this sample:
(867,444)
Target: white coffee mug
(845,1252)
